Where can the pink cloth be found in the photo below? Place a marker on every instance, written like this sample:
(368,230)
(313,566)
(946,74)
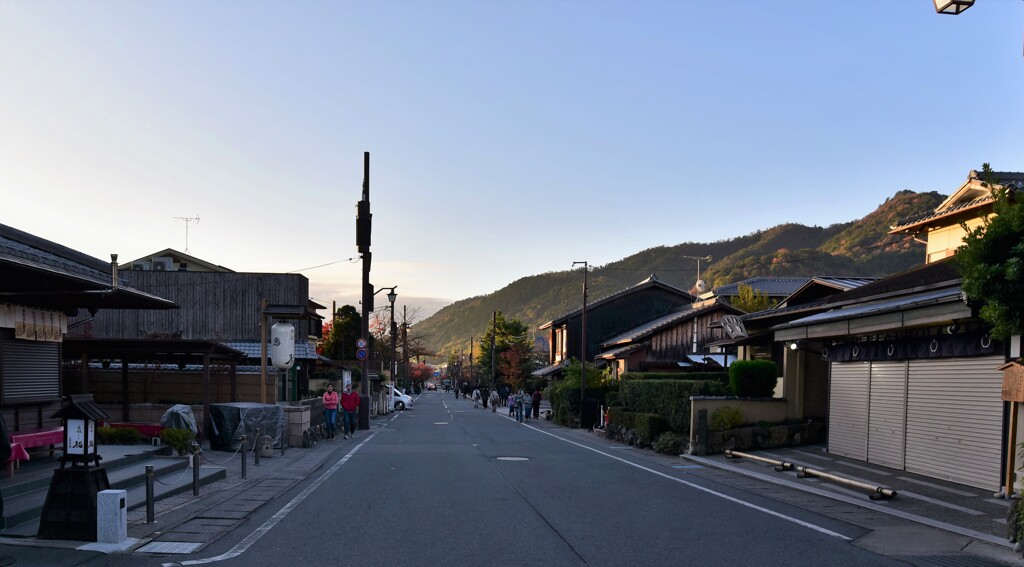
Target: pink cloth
(18,453)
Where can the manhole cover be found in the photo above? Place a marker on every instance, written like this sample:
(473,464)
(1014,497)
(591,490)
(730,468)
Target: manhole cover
(169,547)
(513,459)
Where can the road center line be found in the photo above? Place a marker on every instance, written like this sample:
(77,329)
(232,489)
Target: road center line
(259,532)
(814,527)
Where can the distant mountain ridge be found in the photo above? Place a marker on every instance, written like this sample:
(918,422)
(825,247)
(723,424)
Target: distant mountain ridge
(858,248)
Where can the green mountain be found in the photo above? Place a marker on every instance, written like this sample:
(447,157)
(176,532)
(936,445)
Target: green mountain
(857,248)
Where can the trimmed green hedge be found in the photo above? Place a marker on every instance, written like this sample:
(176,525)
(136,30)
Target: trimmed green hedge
(648,426)
(753,378)
(722,377)
(117,436)
(668,398)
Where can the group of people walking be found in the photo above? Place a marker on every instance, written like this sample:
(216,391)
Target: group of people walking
(521,404)
(349,402)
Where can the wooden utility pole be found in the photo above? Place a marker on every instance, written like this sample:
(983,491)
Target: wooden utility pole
(263,350)
(494,331)
(363,226)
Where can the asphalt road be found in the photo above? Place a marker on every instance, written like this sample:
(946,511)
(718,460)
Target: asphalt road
(447,484)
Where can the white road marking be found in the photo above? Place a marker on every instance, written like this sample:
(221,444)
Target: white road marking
(259,532)
(779,515)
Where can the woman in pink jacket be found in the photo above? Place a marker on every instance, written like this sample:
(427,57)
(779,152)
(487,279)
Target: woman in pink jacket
(330,409)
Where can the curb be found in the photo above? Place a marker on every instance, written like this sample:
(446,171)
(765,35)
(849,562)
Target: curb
(987,538)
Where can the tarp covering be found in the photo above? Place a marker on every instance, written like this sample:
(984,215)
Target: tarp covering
(231,421)
(180,416)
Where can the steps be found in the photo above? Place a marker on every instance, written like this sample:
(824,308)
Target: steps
(25,494)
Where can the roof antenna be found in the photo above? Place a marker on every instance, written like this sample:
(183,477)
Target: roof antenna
(188,220)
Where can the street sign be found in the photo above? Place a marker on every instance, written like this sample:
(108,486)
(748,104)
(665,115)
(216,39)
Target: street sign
(361,354)
(361,344)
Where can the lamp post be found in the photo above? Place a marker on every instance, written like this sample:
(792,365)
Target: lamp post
(583,339)
(953,7)
(392,295)
(394,363)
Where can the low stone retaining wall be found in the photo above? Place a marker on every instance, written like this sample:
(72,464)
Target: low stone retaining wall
(766,437)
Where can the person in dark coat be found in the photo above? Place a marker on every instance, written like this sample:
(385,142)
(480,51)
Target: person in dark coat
(536,403)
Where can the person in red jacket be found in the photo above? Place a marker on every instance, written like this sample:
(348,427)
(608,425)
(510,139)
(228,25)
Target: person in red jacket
(330,409)
(349,407)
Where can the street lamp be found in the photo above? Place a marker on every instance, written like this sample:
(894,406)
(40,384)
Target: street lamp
(392,295)
(952,6)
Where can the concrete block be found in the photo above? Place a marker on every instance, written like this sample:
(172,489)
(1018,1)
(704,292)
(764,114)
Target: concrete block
(112,516)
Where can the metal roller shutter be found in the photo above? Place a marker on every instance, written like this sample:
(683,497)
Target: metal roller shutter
(30,371)
(848,409)
(887,416)
(954,420)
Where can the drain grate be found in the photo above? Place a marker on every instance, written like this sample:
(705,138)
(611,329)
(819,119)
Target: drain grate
(169,547)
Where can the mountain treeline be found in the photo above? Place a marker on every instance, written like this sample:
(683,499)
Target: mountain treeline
(858,248)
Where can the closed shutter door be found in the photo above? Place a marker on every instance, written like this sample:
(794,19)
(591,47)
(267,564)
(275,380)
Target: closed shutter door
(848,409)
(30,371)
(886,419)
(955,419)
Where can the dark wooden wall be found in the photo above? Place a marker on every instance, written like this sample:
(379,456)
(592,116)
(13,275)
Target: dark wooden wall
(674,343)
(619,315)
(214,306)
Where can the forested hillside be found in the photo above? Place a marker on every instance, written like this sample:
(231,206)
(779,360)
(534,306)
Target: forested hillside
(857,248)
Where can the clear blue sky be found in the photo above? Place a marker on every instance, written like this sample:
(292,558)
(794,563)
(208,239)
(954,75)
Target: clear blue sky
(507,138)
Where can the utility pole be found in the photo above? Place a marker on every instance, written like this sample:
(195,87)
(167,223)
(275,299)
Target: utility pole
(471,358)
(405,344)
(494,331)
(583,340)
(363,225)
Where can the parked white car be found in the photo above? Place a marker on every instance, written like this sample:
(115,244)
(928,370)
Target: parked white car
(401,401)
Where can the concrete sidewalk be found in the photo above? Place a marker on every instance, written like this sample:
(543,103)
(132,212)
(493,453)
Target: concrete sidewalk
(970,512)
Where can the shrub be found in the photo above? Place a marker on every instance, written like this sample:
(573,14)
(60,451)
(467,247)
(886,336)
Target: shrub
(565,395)
(613,399)
(753,378)
(647,425)
(670,443)
(668,398)
(722,377)
(725,417)
(117,435)
(178,439)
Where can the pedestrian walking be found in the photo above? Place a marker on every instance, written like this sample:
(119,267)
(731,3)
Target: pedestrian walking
(511,402)
(504,394)
(476,397)
(520,399)
(349,407)
(527,405)
(536,403)
(494,401)
(330,409)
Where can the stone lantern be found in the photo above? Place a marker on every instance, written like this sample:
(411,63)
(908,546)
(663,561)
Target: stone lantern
(70,508)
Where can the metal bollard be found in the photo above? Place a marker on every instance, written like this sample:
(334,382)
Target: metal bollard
(244,458)
(284,440)
(256,449)
(195,468)
(150,498)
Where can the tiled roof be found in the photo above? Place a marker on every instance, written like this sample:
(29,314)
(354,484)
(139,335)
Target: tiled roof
(548,370)
(662,322)
(619,352)
(303,350)
(22,245)
(772,286)
(944,295)
(931,274)
(652,281)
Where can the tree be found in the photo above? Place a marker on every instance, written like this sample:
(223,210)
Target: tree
(340,334)
(752,300)
(507,333)
(991,262)
(513,364)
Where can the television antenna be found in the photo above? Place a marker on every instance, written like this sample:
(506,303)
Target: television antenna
(700,285)
(195,219)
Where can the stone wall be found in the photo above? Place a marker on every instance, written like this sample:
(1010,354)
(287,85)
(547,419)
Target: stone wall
(766,437)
